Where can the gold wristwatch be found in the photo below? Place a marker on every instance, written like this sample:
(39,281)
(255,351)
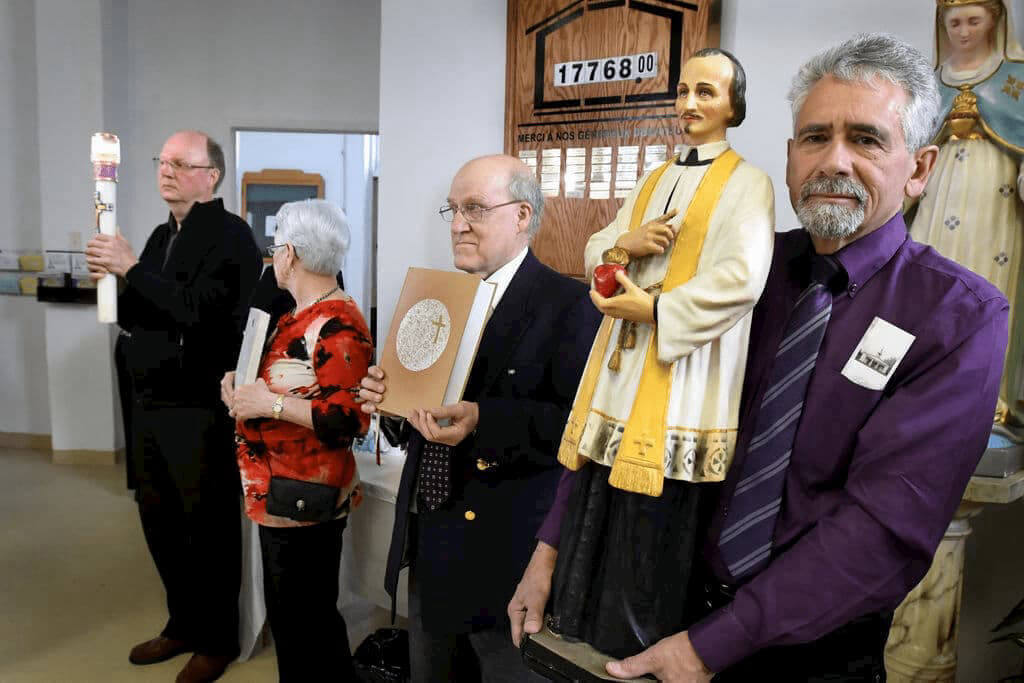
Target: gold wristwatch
(278,407)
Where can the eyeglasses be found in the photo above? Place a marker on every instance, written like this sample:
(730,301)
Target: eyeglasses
(176,164)
(274,247)
(470,212)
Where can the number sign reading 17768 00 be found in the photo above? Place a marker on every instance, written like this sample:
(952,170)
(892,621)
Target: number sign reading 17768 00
(607,69)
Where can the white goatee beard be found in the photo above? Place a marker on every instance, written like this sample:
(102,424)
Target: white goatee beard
(827,220)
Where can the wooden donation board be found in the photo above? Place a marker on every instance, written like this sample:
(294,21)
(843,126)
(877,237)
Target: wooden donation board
(263,193)
(590,91)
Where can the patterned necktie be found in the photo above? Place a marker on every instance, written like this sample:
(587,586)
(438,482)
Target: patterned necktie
(435,478)
(749,526)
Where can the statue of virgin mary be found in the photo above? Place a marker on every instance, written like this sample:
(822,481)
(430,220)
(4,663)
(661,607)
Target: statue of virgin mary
(971,210)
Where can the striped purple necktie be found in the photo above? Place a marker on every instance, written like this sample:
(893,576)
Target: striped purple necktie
(749,525)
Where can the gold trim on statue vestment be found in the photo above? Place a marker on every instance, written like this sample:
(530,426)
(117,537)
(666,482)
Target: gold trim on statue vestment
(639,464)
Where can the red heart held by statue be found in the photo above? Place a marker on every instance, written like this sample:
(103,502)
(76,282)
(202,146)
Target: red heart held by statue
(604,278)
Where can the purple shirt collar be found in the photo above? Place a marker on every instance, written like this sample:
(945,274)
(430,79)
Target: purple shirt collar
(860,259)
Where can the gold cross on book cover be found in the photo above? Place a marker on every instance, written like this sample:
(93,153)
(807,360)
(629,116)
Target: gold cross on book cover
(433,339)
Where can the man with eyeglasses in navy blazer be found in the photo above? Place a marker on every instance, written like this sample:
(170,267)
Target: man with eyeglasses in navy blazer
(471,537)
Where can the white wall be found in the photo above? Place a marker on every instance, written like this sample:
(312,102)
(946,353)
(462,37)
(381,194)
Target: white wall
(24,407)
(306,64)
(442,102)
(69,64)
(360,155)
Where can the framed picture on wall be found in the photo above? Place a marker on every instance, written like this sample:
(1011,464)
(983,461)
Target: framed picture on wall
(263,193)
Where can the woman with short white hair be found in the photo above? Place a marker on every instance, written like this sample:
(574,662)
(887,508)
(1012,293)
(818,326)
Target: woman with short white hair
(294,439)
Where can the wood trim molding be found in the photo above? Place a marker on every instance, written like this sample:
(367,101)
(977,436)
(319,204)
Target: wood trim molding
(87,457)
(26,441)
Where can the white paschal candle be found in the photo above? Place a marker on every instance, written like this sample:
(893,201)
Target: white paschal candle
(106,155)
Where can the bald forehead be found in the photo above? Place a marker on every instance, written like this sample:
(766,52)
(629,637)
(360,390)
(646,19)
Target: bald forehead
(495,164)
(486,177)
(189,141)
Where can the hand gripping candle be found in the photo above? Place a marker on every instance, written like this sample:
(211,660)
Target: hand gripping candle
(106,155)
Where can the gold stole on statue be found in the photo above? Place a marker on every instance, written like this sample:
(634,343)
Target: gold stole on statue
(639,465)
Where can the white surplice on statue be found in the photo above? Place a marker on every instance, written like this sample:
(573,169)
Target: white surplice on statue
(106,155)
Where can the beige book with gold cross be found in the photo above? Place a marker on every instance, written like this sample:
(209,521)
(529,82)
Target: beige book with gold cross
(433,339)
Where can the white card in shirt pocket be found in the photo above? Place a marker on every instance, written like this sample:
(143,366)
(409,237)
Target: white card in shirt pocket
(877,355)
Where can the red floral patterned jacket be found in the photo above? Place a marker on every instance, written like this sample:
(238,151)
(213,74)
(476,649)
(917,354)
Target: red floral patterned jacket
(319,354)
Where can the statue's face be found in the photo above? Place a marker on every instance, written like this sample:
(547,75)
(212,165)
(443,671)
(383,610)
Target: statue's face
(703,103)
(969,28)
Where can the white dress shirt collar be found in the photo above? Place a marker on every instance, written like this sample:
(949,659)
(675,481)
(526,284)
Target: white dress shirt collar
(503,276)
(710,150)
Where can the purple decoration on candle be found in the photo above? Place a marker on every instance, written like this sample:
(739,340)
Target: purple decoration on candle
(104,170)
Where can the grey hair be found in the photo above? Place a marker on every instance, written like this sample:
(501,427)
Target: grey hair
(524,187)
(318,231)
(867,56)
(216,155)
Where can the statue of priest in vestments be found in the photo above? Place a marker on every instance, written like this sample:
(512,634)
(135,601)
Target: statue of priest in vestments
(653,426)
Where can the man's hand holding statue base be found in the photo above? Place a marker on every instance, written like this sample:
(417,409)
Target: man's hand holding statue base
(526,608)
(671,659)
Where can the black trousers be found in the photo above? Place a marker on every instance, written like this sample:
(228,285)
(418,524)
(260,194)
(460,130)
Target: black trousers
(853,653)
(189,506)
(300,584)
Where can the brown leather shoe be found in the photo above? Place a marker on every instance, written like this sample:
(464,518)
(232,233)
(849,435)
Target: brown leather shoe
(203,668)
(158,649)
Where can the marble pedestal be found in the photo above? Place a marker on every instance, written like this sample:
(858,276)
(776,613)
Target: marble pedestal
(923,639)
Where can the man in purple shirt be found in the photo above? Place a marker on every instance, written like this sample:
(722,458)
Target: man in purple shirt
(889,424)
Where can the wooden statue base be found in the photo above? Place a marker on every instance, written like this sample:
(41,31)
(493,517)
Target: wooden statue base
(563,661)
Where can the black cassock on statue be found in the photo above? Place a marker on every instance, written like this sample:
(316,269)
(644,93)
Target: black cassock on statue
(626,573)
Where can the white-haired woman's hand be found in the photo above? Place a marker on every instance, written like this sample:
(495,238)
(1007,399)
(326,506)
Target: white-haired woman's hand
(252,401)
(227,390)
(371,389)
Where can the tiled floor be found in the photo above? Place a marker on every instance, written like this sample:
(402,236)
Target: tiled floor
(77,585)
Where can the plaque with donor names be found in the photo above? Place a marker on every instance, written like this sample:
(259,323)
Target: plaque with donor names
(626,170)
(600,172)
(590,91)
(654,156)
(575,172)
(551,172)
(529,157)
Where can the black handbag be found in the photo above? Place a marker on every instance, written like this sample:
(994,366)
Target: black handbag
(303,501)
